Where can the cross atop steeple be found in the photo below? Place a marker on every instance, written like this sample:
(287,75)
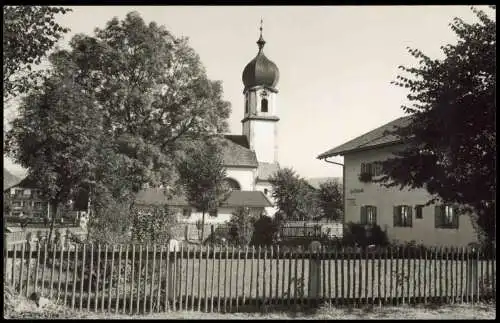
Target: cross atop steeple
(261,42)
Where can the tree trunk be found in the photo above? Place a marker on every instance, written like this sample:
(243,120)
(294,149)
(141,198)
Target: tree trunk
(203,227)
(52,222)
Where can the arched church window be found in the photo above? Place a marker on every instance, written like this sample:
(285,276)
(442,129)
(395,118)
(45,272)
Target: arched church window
(232,184)
(246,104)
(263,105)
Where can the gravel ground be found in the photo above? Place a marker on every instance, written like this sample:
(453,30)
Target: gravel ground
(27,310)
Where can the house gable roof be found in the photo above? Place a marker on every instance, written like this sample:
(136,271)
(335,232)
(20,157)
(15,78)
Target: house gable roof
(156,196)
(372,139)
(26,182)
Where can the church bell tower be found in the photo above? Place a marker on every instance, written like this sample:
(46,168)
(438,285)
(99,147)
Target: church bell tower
(260,121)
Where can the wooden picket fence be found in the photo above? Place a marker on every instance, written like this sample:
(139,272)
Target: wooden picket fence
(143,279)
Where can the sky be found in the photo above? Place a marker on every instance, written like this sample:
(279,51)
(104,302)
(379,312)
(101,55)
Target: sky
(336,63)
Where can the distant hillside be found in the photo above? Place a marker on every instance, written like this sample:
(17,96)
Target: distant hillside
(9,179)
(317,181)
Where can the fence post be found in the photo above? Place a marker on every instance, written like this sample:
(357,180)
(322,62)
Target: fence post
(5,257)
(173,246)
(472,273)
(314,270)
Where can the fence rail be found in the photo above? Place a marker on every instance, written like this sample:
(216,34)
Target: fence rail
(151,278)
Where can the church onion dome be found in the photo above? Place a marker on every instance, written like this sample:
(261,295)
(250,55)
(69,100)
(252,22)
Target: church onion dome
(260,71)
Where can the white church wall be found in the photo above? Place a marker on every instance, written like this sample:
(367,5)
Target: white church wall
(244,176)
(223,215)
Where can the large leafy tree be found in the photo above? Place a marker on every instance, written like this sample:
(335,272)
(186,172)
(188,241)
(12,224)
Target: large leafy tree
(451,140)
(202,174)
(295,198)
(153,91)
(55,137)
(154,96)
(29,32)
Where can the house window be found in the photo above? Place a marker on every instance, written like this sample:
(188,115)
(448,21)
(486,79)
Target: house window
(16,214)
(263,105)
(213,213)
(419,209)
(376,169)
(16,204)
(372,169)
(186,212)
(403,216)
(266,191)
(368,214)
(38,215)
(446,217)
(27,192)
(37,205)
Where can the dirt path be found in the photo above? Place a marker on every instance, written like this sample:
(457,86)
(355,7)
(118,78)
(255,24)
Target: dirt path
(395,313)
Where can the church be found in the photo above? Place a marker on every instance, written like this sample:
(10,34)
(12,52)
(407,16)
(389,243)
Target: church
(250,158)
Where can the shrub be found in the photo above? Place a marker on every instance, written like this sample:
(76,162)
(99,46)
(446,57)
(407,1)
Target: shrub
(265,230)
(356,234)
(220,236)
(241,227)
(487,286)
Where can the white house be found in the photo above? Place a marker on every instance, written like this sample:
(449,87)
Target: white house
(251,157)
(400,212)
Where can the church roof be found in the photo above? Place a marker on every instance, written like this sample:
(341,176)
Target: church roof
(235,152)
(156,196)
(266,170)
(372,139)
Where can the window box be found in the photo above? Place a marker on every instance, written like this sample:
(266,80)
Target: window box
(365,177)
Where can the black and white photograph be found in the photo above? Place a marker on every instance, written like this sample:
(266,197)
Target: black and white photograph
(249,162)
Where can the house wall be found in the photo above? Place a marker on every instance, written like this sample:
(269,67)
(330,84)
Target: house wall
(260,186)
(244,176)
(423,230)
(21,204)
(223,215)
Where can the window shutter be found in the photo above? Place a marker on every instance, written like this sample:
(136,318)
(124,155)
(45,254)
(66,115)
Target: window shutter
(375,214)
(410,216)
(438,216)
(369,168)
(456,219)
(363,168)
(363,215)
(395,216)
